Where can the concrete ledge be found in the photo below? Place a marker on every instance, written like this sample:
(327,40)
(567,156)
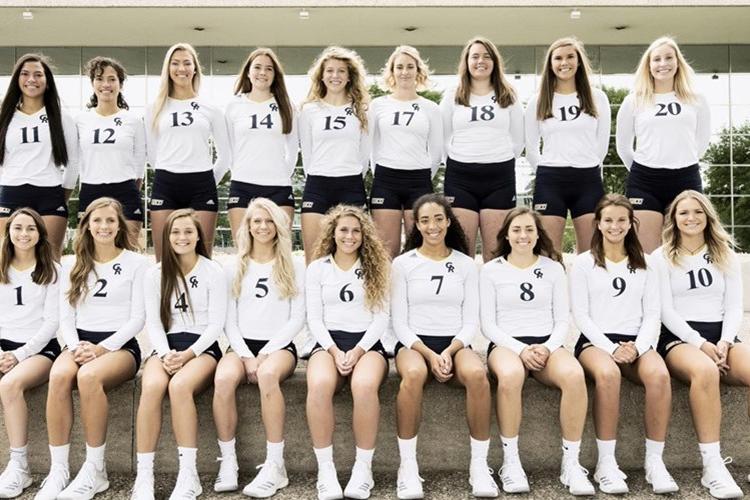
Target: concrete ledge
(443,443)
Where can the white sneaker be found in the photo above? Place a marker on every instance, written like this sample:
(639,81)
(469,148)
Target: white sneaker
(658,477)
(14,480)
(718,480)
(610,478)
(88,482)
(409,484)
(575,478)
(481,481)
(187,487)
(56,481)
(226,480)
(361,481)
(143,488)
(513,478)
(328,483)
(271,478)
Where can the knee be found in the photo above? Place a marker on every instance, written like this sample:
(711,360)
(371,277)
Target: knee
(476,379)
(320,387)
(706,375)
(573,379)
(268,379)
(151,391)
(225,386)
(510,381)
(10,387)
(608,378)
(180,390)
(60,381)
(657,378)
(414,377)
(88,380)
(364,388)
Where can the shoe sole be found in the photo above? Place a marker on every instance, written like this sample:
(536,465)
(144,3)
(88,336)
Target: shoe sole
(525,489)
(612,492)
(283,484)
(25,485)
(663,491)
(709,492)
(103,487)
(224,489)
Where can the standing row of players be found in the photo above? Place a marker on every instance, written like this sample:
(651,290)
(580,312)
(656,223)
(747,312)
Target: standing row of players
(479,130)
(675,312)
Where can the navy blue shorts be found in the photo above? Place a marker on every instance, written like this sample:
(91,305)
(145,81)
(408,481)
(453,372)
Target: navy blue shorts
(396,189)
(525,340)
(434,343)
(709,330)
(242,193)
(346,341)
(256,345)
(131,345)
(182,341)
(655,188)
(475,186)
(51,351)
(321,193)
(127,193)
(196,190)
(559,189)
(46,200)
(583,342)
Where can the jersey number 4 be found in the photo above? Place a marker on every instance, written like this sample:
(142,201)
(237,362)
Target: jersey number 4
(181,303)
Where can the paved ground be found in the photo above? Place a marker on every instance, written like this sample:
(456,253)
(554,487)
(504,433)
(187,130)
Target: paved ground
(438,486)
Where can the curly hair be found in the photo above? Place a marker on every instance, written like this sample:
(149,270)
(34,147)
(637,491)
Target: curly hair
(423,71)
(718,241)
(455,237)
(84,247)
(44,271)
(95,68)
(356,87)
(283,267)
(372,254)
(543,245)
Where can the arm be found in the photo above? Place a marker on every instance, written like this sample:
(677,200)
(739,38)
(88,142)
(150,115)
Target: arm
(305,138)
(292,144)
(490,328)
(470,307)
(517,128)
(50,321)
(151,296)
(217,313)
(533,134)
(68,330)
(137,315)
(365,148)
(314,299)
(669,316)
(296,316)
(560,312)
(703,126)
(435,139)
(70,133)
(446,113)
(400,307)
(376,329)
(625,132)
(221,143)
(579,295)
(139,150)
(733,309)
(152,138)
(648,334)
(603,125)
(232,327)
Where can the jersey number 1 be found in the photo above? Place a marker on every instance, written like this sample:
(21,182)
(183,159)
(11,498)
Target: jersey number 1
(25,135)
(19,297)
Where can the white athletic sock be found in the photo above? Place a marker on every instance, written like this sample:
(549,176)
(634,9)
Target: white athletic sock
(407,449)
(187,458)
(227,448)
(20,456)
(479,450)
(59,455)
(324,455)
(365,456)
(571,449)
(510,449)
(654,449)
(95,455)
(275,452)
(709,451)
(606,448)
(145,462)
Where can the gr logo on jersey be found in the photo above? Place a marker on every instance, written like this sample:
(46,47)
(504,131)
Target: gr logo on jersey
(195,106)
(43,118)
(349,111)
(117,269)
(449,266)
(274,107)
(193,282)
(359,273)
(538,273)
(415,106)
(708,258)
(631,269)
(118,122)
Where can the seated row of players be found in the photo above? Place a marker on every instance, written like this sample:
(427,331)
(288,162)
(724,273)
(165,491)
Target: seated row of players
(436,298)
(479,130)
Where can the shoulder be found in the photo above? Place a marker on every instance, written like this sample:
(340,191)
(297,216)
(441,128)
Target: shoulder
(599,94)
(551,265)
(320,264)
(449,96)
(210,265)
(492,265)
(299,266)
(461,258)
(584,259)
(405,258)
(136,258)
(428,104)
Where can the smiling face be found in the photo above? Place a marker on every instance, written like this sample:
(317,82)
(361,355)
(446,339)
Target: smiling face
(182,68)
(480,63)
(32,80)
(335,76)
(432,223)
(107,85)
(348,235)
(614,224)
(183,236)
(564,62)
(663,64)
(261,73)
(104,225)
(690,218)
(405,71)
(261,225)
(23,232)
(522,234)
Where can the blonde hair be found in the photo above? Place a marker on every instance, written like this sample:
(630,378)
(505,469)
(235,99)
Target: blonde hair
(644,81)
(165,83)
(583,83)
(423,71)
(283,268)
(718,241)
(374,259)
(356,87)
(505,94)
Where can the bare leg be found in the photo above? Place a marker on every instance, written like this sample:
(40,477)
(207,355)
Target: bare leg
(555,227)
(208,223)
(469,221)
(158,221)
(310,231)
(490,222)
(565,373)
(62,380)
(193,378)
(413,371)
(368,375)
(605,373)
(471,373)
(26,375)
(154,382)
(277,367)
(649,230)
(584,228)
(322,382)
(388,224)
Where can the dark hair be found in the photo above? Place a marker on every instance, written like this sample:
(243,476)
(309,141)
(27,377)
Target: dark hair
(455,237)
(51,105)
(633,248)
(95,67)
(44,272)
(543,245)
(278,87)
